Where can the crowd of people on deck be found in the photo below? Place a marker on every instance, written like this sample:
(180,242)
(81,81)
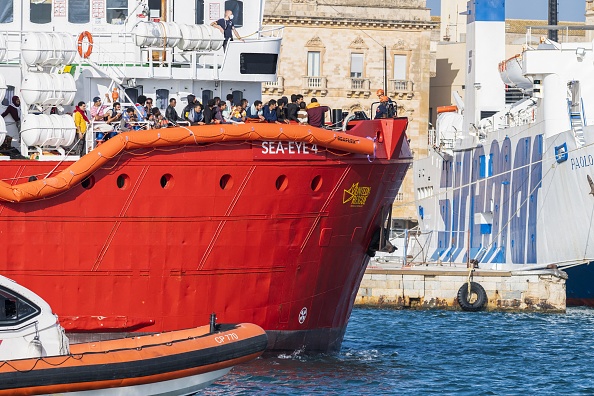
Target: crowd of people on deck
(109,119)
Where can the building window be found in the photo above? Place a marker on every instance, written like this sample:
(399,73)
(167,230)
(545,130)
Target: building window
(79,11)
(116,11)
(200,12)
(207,95)
(400,66)
(237,96)
(313,63)
(6,11)
(356,65)
(41,12)
(236,8)
(162,100)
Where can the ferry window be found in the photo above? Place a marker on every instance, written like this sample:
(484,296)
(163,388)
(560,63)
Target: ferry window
(162,98)
(356,65)
(134,93)
(199,12)
(207,95)
(236,8)
(313,63)
(15,309)
(116,11)
(8,95)
(237,96)
(6,11)
(41,11)
(257,63)
(400,63)
(79,11)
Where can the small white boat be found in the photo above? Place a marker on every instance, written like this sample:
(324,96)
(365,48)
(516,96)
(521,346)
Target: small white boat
(36,358)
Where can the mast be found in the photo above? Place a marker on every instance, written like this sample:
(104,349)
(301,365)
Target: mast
(553,19)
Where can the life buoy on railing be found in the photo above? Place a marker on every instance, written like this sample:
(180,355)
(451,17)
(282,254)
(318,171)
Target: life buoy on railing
(81,38)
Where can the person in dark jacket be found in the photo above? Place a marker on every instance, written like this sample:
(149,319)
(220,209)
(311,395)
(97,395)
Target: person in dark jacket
(293,108)
(280,112)
(210,113)
(270,112)
(171,114)
(315,113)
(186,111)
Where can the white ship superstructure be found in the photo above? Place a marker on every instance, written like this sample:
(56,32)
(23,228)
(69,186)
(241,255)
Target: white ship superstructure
(511,186)
(161,49)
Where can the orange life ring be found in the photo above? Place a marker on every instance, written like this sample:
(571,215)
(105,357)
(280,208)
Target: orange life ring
(81,38)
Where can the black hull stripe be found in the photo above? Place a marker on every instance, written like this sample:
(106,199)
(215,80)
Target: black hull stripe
(133,369)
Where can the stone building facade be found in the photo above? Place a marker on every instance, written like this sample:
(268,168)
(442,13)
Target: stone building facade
(334,50)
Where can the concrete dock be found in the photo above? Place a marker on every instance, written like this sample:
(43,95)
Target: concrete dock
(436,286)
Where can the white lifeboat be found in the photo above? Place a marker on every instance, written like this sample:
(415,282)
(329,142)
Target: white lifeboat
(48,89)
(51,130)
(48,49)
(512,74)
(157,34)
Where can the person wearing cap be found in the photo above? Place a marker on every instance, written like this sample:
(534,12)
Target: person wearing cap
(98,110)
(382,109)
(226,26)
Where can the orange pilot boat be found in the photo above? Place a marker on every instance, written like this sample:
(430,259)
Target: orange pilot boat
(35,357)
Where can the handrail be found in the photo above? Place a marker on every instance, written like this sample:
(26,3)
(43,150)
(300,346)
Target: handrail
(166,137)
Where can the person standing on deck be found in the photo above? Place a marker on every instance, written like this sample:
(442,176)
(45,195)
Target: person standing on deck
(81,122)
(226,26)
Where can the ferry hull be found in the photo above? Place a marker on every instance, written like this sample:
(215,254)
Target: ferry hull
(156,240)
(580,292)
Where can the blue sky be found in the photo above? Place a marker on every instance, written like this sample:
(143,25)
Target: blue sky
(569,10)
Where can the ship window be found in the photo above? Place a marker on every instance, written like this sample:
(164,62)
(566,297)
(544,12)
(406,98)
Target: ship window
(41,11)
(207,95)
(6,11)
(15,309)
(236,8)
(134,93)
(162,98)
(237,96)
(199,12)
(79,11)
(116,11)
(8,95)
(257,63)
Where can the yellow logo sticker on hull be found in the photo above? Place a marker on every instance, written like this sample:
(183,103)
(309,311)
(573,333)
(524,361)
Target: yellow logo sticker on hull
(356,195)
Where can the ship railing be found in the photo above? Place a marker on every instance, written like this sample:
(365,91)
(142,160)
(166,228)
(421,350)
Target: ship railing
(436,139)
(413,248)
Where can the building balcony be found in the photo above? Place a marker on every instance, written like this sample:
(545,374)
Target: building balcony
(401,88)
(359,88)
(315,85)
(274,87)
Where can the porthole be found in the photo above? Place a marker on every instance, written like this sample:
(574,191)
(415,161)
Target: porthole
(166,181)
(123,181)
(316,183)
(88,182)
(32,178)
(281,183)
(226,182)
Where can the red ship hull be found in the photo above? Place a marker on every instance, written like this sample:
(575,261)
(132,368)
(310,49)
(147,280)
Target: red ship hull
(158,239)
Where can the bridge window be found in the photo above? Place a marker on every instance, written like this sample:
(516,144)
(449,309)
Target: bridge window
(79,11)
(237,96)
(162,100)
(15,309)
(200,12)
(40,11)
(207,95)
(236,8)
(6,11)
(116,11)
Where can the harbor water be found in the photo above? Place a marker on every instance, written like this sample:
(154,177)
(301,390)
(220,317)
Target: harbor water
(391,352)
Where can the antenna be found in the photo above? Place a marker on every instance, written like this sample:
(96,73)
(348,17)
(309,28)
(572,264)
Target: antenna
(553,19)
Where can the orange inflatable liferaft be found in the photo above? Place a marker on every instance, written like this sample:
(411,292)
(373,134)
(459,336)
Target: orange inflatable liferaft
(81,37)
(446,109)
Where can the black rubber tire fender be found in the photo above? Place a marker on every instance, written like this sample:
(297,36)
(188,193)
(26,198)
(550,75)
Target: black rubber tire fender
(464,297)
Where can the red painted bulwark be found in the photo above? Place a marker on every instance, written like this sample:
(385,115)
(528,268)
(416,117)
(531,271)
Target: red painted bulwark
(165,236)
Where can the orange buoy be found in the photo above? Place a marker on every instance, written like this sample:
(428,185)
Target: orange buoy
(447,109)
(115,95)
(81,37)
